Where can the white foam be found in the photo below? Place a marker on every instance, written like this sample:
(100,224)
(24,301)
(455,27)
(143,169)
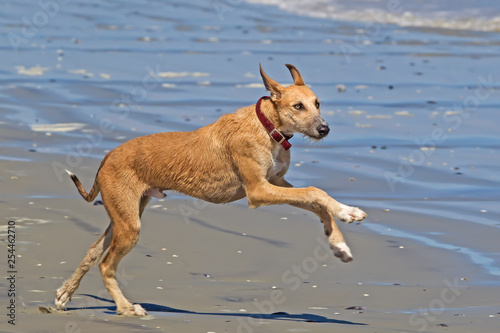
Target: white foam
(182,74)
(404,113)
(61,127)
(80,72)
(479,15)
(32,71)
(251,85)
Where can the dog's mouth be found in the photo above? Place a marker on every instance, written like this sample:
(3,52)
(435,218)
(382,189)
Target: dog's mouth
(318,137)
(315,137)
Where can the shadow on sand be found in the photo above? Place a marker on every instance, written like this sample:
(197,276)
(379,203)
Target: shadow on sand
(151,308)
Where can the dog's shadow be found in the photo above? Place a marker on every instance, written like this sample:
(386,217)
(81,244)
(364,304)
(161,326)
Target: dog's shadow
(149,307)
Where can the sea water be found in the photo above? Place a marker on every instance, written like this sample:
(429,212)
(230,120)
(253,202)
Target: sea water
(481,15)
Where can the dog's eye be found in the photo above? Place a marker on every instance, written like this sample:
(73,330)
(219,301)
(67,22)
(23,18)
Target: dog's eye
(317,104)
(298,106)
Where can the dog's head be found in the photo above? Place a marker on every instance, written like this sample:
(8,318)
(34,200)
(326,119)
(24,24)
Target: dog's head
(297,106)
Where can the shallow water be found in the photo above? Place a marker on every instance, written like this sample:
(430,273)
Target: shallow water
(414,132)
(482,15)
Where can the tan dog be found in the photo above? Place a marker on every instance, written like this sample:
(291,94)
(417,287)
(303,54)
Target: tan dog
(239,155)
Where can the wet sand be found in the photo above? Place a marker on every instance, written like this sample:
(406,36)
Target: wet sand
(409,145)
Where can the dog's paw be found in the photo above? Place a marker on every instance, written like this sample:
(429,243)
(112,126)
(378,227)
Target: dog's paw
(342,251)
(350,214)
(134,310)
(47,309)
(62,297)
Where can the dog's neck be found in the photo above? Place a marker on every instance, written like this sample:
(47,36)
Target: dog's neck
(272,124)
(269,110)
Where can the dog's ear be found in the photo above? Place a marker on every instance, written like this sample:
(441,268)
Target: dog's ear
(272,86)
(297,78)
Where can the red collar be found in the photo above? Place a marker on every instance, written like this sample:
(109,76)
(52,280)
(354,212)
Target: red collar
(277,136)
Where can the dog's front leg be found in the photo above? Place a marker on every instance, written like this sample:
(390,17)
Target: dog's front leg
(261,193)
(335,237)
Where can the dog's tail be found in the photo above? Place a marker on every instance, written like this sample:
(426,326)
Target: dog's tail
(87,196)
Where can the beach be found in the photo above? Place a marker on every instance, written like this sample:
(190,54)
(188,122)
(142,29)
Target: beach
(413,112)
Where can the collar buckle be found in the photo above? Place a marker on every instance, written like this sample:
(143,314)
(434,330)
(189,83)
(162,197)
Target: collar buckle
(275,133)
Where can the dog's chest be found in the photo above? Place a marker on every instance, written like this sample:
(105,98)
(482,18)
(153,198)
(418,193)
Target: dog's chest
(279,163)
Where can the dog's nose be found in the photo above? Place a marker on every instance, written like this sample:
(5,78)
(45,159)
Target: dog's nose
(323,130)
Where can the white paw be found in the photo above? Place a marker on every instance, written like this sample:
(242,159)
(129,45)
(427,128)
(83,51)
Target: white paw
(134,310)
(342,251)
(62,297)
(350,214)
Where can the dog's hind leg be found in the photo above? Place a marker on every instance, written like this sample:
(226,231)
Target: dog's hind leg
(124,214)
(94,254)
(124,239)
